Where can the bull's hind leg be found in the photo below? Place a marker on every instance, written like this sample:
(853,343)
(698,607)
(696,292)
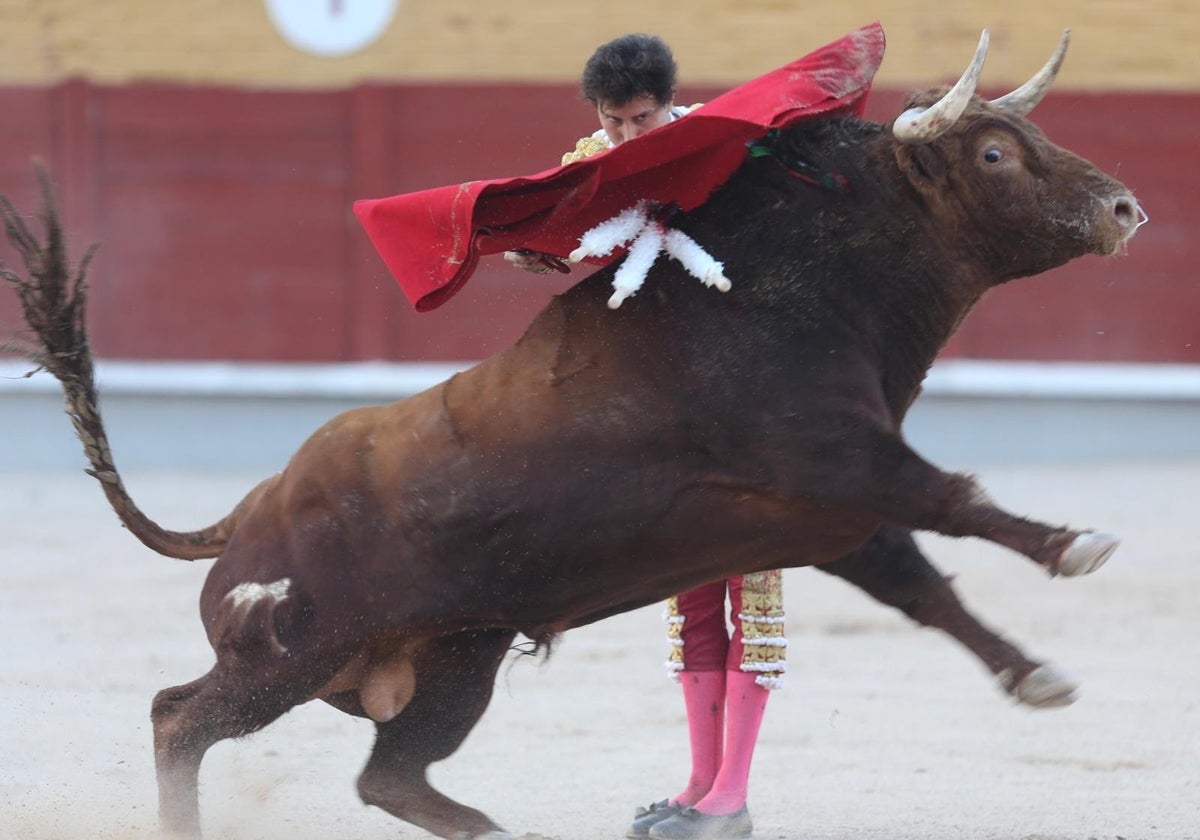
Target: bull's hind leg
(455,675)
(892,569)
(237,697)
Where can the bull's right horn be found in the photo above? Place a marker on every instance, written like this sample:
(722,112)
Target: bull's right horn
(921,125)
(1025,98)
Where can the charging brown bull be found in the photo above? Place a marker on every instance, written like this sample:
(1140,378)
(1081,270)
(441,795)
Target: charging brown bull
(610,459)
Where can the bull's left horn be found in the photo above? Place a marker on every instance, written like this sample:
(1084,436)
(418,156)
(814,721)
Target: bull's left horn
(921,125)
(1025,98)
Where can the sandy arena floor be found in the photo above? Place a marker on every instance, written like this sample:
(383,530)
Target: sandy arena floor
(885,732)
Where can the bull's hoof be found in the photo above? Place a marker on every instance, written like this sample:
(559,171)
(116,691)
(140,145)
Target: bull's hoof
(1043,688)
(1086,554)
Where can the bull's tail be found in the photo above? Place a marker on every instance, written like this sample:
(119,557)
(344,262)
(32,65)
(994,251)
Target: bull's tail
(54,303)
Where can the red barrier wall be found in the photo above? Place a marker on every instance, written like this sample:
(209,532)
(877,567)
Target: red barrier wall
(224,217)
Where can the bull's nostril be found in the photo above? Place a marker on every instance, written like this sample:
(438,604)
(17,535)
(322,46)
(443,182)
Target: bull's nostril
(1126,210)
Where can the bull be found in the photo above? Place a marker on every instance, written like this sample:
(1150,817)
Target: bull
(609,459)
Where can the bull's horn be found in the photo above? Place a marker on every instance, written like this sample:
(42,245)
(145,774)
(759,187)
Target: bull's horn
(1027,96)
(921,125)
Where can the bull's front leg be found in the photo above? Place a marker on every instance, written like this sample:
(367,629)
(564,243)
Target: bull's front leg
(970,512)
(891,568)
(874,469)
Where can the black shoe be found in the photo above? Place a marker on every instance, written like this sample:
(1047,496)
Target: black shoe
(690,824)
(643,818)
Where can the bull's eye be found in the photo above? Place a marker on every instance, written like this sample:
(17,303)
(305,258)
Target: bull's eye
(993,155)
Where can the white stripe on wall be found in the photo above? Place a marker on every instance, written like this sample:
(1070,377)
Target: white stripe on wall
(388,381)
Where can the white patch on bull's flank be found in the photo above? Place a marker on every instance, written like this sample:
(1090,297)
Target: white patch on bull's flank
(249,593)
(243,599)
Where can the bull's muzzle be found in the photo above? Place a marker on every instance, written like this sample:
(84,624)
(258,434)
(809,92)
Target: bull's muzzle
(1123,216)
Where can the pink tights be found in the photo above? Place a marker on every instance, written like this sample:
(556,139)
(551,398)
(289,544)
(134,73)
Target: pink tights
(724,705)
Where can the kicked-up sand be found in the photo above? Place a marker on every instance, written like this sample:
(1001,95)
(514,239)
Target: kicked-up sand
(884,731)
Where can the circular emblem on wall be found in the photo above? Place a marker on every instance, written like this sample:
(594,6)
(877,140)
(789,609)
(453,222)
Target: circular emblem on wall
(331,27)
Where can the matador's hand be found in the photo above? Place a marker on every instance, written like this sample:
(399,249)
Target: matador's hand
(536,261)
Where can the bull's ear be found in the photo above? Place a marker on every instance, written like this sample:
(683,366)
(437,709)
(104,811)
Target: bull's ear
(921,165)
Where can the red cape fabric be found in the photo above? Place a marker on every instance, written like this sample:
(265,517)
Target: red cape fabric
(431,240)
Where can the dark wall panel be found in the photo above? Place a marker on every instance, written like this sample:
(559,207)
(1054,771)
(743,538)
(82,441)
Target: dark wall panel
(226,231)
(28,131)
(221,210)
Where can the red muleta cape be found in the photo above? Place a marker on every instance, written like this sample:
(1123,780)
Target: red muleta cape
(431,240)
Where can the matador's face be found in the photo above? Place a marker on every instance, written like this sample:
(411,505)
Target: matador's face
(637,116)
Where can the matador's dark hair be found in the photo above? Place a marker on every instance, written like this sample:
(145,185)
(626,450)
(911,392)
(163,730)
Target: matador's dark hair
(628,67)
